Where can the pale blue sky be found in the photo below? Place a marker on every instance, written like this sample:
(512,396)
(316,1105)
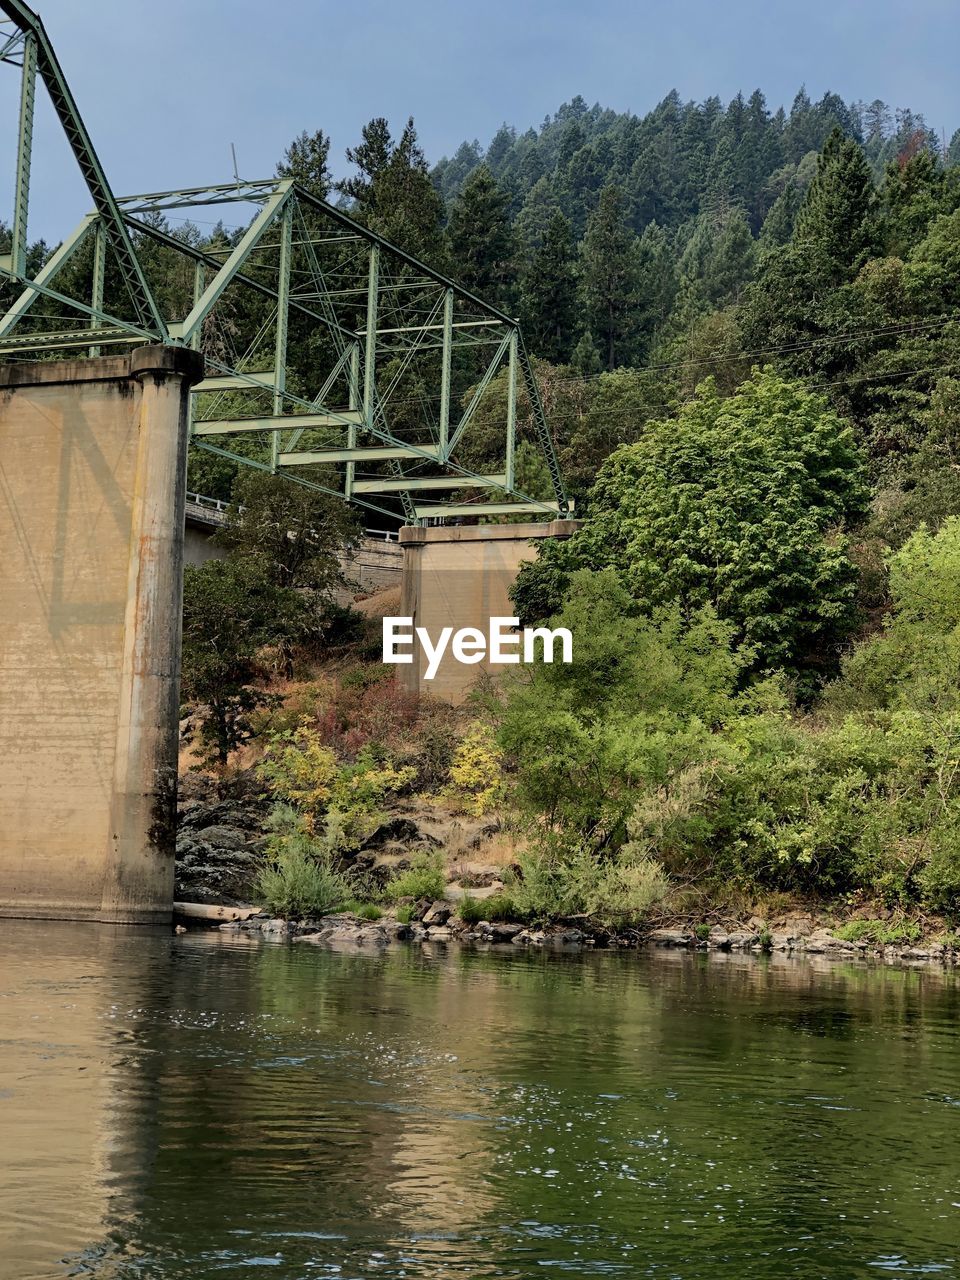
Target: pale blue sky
(165,88)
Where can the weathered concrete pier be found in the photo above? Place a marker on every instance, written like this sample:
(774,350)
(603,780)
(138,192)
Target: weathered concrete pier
(460,576)
(92,485)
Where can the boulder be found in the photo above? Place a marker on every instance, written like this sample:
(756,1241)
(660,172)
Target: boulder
(437,914)
(670,937)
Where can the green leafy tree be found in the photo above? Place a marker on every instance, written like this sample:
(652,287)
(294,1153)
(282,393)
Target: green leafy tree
(231,611)
(293,534)
(739,504)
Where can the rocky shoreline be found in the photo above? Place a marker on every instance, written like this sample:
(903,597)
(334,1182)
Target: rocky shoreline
(436,922)
(220,847)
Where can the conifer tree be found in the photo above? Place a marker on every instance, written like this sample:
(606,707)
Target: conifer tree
(533,219)
(480,238)
(778,224)
(838,215)
(393,192)
(609,269)
(548,294)
(305,160)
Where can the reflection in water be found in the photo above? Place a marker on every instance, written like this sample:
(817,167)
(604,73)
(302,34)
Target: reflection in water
(201,1107)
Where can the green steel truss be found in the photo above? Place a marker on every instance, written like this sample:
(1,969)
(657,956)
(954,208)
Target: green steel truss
(331,355)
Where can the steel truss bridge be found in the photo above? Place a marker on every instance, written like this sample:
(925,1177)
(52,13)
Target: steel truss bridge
(332,356)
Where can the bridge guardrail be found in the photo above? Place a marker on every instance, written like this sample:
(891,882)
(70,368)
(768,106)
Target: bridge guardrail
(223,508)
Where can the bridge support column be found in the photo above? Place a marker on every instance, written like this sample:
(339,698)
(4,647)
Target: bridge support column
(460,576)
(92,487)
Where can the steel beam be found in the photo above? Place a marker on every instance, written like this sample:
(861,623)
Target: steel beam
(33,343)
(236,382)
(21,200)
(283,312)
(99,273)
(202,308)
(370,344)
(47,272)
(386,453)
(304,421)
(144,303)
(484,382)
(529,506)
(445,370)
(412,484)
(511,407)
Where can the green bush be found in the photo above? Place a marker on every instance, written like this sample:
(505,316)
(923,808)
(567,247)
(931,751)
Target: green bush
(425,878)
(881,932)
(556,886)
(302,875)
(404,913)
(940,877)
(498,906)
(298,881)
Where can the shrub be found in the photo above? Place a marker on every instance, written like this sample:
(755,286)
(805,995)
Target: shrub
(425,878)
(302,770)
(303,875)
(557,886)
(625,891)
(476,770)
(940,878)
(299,880)
(404,913)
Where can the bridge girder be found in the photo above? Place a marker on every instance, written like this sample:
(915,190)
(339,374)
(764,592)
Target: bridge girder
(348,362)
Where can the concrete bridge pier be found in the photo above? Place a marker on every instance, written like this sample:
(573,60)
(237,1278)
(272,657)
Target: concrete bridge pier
(460,576)
(92,488)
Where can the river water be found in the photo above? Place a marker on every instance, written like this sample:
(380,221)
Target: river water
(199,1106)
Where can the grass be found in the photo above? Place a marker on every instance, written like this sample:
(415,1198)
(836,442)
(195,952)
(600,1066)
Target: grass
(497,907)
(404,914)
(366,910)
(880,932)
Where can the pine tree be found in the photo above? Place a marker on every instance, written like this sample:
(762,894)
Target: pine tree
(536,215)
(305,160)
(394,194)
(778,224)
(371,158)
(838,215)
(480,238)
(548,294)
(609,276)
(586,356)
(912,194)
(656,281)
